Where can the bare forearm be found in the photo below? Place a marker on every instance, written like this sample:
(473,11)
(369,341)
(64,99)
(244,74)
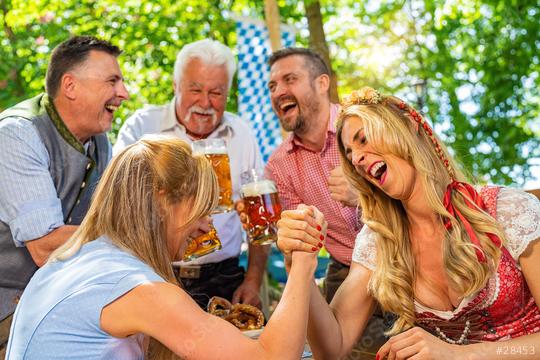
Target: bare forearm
(525,347)
(41,248)
(333,329)
(257,257)
(285,333)
(323,322)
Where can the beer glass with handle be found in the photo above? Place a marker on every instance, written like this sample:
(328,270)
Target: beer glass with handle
(202,245)
(262,207)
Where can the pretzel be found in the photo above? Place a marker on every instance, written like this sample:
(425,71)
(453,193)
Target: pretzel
(219,306)
(245,317)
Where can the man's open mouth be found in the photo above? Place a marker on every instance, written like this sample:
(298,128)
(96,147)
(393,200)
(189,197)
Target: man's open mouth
(200,114)
(111,108)
(287,106)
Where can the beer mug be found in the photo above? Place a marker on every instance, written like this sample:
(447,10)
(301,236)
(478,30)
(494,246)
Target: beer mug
(202,245)
(262,205)
(215,150)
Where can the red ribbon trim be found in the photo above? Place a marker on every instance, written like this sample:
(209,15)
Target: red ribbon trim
(472,198)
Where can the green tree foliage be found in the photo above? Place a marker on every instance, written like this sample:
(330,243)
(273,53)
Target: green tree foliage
(471,66)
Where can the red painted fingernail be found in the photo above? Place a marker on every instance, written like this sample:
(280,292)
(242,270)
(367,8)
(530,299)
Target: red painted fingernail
(319,228)
(314,249)
(377,357)
(321,237)
(320,245)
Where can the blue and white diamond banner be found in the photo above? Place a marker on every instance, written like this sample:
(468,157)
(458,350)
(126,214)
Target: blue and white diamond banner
(253,45)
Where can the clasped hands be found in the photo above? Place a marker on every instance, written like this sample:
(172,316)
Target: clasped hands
(303,229)
(301,232)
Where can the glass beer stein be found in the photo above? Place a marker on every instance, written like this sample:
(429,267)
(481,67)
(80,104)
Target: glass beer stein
(202,245)
(215,150)
(262,206)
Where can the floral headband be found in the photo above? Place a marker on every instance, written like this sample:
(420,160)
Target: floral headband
(370,96)
(364,96)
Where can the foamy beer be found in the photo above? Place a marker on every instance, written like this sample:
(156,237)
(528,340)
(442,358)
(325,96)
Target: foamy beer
(215,150)
(262,207)
(202,245)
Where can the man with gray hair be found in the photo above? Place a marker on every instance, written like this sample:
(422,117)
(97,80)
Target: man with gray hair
(203,75)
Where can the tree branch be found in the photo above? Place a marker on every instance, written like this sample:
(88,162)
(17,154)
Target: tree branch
(317,41)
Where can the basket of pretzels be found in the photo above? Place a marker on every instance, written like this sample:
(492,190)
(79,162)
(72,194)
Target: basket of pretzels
(245,317)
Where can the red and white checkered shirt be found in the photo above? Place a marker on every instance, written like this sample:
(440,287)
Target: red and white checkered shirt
(301,176)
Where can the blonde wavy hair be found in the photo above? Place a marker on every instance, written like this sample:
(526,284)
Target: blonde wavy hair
(133,199)
(390,129)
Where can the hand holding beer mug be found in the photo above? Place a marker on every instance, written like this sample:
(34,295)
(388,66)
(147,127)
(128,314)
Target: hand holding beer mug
(215,150)
(262,207)
(202,245)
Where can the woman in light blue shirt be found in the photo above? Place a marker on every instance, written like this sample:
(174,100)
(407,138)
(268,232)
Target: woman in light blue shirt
(111,287)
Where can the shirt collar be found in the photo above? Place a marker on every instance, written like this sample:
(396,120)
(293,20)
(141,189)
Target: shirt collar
(169,119)
(61,126)
(294,141)
(170,122)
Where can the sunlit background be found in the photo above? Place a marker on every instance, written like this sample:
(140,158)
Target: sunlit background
(471,66)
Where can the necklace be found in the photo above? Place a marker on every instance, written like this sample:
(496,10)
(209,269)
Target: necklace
(461,339)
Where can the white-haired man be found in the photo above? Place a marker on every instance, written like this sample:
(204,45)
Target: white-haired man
(203,76)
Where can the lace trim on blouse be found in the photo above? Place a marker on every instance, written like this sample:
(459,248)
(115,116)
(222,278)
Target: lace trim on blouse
(519,214)
(365,250)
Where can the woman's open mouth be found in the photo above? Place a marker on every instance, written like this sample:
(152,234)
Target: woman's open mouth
(377,170)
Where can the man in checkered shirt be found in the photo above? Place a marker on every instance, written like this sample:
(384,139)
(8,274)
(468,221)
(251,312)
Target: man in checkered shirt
(306,166)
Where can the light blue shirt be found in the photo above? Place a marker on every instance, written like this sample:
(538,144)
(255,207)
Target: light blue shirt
(58,316)
(29,202)
(242,147)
